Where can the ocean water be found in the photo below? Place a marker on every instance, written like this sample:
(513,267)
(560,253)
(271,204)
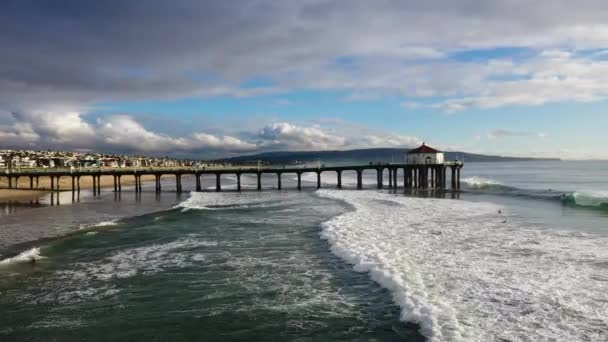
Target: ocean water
(519,255)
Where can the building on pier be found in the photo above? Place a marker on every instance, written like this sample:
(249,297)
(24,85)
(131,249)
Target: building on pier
(424,155)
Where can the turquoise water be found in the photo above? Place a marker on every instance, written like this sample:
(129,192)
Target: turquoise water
(317,265)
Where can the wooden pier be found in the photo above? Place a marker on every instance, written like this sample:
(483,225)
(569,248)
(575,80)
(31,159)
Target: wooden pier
(422,176)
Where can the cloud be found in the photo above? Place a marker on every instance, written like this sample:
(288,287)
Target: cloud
(284,135)
(93,52)
(503,133)
(124,134)
(117,133)
(388,140)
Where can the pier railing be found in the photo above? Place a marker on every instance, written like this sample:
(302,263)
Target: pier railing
(414,175)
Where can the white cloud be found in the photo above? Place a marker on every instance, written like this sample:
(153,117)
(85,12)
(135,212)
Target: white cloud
(122,133)
(284,135)
(223,143)
(552,76)
(503,133)
(388,140)
(386,47)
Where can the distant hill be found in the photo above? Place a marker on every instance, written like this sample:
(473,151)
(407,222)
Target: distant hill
(375,155)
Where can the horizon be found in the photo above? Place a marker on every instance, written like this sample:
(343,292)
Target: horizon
(134,154)
(216,80)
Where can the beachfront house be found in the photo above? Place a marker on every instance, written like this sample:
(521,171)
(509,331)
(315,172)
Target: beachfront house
(424,155)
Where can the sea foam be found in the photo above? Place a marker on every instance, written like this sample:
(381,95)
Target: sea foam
(479,182)
(597,199)
(27,256)
(463,272)
(243,200)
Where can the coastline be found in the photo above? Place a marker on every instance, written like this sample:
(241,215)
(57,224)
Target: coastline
(24,194)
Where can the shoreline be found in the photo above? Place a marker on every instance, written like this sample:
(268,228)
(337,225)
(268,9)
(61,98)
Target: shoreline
(24,195)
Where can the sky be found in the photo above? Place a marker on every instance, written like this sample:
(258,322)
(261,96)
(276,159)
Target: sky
(205,79)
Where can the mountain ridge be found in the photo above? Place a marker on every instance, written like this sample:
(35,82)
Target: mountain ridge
(363,155)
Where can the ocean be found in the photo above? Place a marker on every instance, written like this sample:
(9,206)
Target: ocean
(520,254)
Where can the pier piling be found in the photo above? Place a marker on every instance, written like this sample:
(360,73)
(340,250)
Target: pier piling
(415,176)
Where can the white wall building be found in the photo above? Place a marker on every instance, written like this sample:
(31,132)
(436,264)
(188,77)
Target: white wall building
(424,155)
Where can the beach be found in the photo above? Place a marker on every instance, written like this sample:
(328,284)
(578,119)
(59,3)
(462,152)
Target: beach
(23,194)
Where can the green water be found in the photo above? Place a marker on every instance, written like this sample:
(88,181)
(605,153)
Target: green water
(250,272)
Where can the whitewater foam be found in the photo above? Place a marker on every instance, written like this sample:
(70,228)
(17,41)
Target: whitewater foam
(27,256)
(93,281)
(597,199)
(479,182)
(99,224)
(141,260)
(462,274)
(218,201)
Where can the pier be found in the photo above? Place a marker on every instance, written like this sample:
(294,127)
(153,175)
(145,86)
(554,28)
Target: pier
(405,176)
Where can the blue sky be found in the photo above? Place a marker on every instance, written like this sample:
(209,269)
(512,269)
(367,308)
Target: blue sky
(215,79)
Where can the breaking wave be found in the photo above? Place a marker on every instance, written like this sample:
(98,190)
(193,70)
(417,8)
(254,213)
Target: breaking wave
(464,273)
(99,224)
(27,256)
(592,199)
(589,199)
(480,183)
(244,200)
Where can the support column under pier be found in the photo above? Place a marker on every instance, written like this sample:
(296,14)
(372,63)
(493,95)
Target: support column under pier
(198,181)
(390,178)
(218,182)
(395,171)
(238,182)
(318,180)
(259,181)
(279,180)
(73,189)
(177,187)
(299,180)
(339,179)
(359,179)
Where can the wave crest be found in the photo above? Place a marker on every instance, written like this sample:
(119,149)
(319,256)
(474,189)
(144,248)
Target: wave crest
(27,256)
(452,264)
(594,199)
(480,183)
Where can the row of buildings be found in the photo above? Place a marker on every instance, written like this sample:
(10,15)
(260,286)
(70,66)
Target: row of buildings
(17,159)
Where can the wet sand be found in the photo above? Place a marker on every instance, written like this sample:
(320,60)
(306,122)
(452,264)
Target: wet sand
(22,193)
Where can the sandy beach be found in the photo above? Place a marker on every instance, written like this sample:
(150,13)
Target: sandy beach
(22,193)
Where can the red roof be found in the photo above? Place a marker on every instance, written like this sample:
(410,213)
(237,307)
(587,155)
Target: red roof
(424,149)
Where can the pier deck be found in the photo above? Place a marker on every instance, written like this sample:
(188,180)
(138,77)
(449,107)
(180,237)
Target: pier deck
(422,176)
